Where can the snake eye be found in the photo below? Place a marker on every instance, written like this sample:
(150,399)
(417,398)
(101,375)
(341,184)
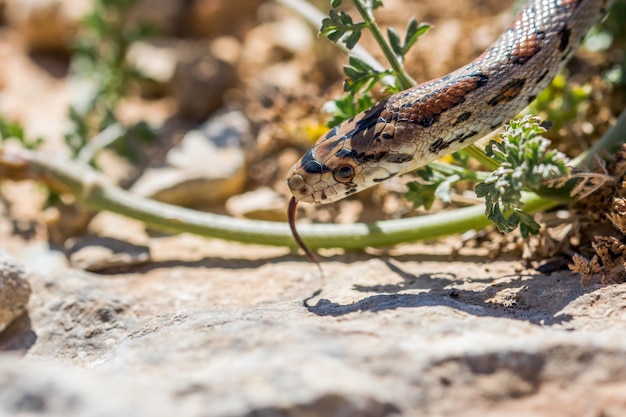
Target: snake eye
(344,173)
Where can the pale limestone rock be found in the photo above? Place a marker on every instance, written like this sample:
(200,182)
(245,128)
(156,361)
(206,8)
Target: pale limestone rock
(260,204)
(211,18)
(29,388)
(217,329)
(14,290)
(200,80)
(206,167)
(47,24)
(101,254)
(191,70)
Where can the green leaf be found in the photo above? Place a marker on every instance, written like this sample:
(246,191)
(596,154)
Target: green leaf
(345,107)
(375,4)
(335,3)
(413,31)
(352,39)
(339,24)
(395,42)
(526,164)
(421,194)
(361,75)
(433,184)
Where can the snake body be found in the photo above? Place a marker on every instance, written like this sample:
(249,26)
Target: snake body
(416,126)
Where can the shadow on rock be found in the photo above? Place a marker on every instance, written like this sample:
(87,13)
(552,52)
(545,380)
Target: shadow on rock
(536,298)
(18,336)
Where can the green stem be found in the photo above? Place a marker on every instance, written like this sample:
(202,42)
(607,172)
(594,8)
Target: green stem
(449,169)
(314,17)
(404,79)
(610,142)
(93,190)
(480,156)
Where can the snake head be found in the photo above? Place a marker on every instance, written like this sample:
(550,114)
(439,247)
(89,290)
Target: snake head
(351,157)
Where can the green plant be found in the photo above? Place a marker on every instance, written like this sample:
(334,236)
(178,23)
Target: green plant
(100,69)
(526,163)
(15,131)
(362,76)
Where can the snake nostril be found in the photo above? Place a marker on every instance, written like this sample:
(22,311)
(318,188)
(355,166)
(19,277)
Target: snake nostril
(296,182)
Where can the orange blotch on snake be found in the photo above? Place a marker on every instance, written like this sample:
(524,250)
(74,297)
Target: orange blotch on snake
(426,111)
(528,48)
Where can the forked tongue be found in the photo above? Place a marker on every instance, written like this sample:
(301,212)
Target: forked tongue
(291,216)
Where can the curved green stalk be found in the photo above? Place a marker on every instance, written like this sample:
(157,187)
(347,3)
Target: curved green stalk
(93,190)
(404,79)
(610,142)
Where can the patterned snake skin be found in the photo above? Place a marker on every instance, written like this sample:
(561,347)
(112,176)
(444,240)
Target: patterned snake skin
(416,126)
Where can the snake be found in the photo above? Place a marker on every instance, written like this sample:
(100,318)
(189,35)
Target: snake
(409,129)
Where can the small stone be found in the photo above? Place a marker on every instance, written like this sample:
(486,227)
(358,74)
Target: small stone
(46,24)
(99,254)
(65,220)
(14,290)
(260,204)
(187,69)
(200,80)
(155,59)
(211,18)
(162,15)
(206,167)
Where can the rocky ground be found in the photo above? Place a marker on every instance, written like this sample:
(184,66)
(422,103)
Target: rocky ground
(100,317)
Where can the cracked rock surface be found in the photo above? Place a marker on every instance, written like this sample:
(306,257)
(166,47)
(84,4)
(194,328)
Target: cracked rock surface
(221,329)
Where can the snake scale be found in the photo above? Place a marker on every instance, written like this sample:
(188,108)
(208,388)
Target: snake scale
(414,127)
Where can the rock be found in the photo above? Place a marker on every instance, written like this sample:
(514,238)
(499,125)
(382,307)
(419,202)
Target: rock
(215,328)
(206,167)
(200,80)
(14,290)
(102,254)
(43,388)
(164,16)
(186,68)
(46,24)
(212,18)
(260,204)
(156,60)
(64,220)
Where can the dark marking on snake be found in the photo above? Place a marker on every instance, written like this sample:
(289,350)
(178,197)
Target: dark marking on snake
(427,110)
(323,195)
(564,35)
(542,76)
(328,146)
(399,158)
(507,92)
(311,165)
(345,153)
(524,51)
(461,137)
(463,117)
(438,145)
(363,158)
(351,188)
(332,132)
(385,178)
(496,124)
(531,98)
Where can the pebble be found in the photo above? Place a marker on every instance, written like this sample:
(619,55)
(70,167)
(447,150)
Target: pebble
(14,290)
(261,204)
(207,167)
